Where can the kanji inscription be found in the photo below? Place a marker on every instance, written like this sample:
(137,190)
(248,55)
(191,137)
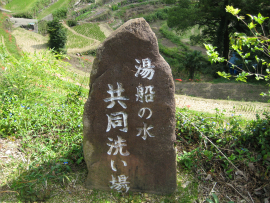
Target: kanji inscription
(129,117)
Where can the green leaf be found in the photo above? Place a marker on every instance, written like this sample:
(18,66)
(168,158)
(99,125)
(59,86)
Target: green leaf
(260,19)
(242,77)
(225,75)
(209,200)
(251,25)
(215,197)
(232,10)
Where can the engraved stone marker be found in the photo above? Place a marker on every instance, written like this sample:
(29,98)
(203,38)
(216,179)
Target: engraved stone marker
(129,117)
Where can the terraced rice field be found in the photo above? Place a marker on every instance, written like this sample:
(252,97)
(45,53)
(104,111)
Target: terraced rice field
(91,30)
(75,41)
(30,41)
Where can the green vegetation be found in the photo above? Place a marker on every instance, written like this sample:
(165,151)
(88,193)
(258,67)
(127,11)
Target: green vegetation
(58,36)
(123,7)
(41,108)
(54,7)
(72,23)
(36,106)
(19,6)
(90,30)
(159,14)
(211,16)
(6,37)
(172,36)
(75,41)
(32,8)
(230,144)
(102,16)
(84,13)
(246,46)
(60,13)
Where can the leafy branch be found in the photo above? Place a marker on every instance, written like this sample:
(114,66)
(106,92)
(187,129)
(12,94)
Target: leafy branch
(257,42)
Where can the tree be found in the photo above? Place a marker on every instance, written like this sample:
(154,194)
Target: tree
(246,45)
(215,22)
(58,36)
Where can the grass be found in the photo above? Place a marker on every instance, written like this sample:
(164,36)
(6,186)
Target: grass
(19,6)
(75,41)
(6,37)
(90,30)
(172,36)
(250,80)
(53,7)
(30,41)
(43,113)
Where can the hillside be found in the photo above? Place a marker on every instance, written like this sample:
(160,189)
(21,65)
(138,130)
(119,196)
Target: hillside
(222,127)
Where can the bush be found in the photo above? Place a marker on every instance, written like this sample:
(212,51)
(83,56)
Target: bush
(90,52)
(60,13)
(23,15)
(58,36)
(72,23)
(161,14)
(258,136)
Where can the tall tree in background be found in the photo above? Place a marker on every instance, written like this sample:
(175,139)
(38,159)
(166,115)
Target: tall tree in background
(212,18)
(58,36)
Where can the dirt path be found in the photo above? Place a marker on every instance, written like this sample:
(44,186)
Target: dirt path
(235,98)
(222,91)
(247,110)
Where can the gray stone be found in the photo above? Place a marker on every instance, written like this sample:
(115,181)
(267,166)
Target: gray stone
(129,117)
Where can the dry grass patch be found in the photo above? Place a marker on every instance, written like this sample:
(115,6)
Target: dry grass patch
(30,41)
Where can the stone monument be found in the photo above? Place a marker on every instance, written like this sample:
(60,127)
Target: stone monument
(129,117)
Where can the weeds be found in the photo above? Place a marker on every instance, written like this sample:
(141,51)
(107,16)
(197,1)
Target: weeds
(224,146)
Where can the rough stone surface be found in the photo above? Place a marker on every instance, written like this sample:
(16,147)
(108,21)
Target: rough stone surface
(136,154)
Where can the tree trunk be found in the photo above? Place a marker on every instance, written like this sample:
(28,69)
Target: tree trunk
(191,72)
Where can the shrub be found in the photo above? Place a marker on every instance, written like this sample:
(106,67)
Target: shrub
(161,14)
(23,15)
(72,23)
(58,36)
(60,13)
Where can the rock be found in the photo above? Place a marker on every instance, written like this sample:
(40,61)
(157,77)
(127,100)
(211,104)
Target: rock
(129,117)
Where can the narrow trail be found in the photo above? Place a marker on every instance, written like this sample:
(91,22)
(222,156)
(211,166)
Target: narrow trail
(247,110)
